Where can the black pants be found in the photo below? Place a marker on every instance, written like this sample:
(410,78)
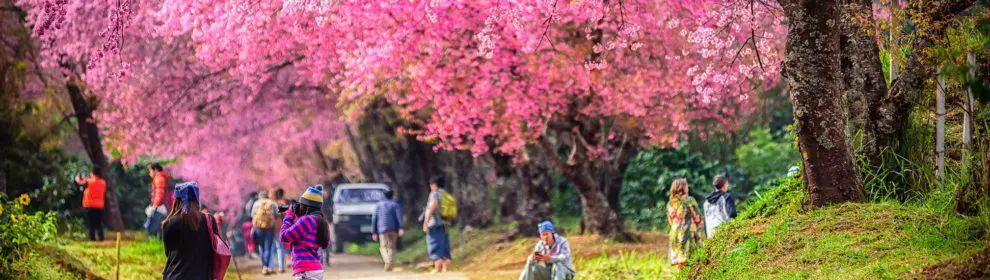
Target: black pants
(94,223)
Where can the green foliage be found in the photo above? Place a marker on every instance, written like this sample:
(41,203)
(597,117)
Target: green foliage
(766,157)
(627,266)
(20,230)
(852,240)
(564,197)
(786,197)
(647,179)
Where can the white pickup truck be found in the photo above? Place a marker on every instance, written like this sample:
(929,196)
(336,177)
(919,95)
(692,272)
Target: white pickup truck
(353,205)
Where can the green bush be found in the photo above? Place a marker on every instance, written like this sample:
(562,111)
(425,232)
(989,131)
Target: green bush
(647,180)
(766,157)
(20,231)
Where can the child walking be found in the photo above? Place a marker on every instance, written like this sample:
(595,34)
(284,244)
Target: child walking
(305,231)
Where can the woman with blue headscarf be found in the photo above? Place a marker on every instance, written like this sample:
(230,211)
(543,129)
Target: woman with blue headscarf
(551,258)
(187,240)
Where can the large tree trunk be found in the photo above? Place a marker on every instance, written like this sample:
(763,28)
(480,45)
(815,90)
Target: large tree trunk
(863,84)
(812,72)
(507,187)
(535,205)
(89,134)
(402,161)
(470,187)
(597,215)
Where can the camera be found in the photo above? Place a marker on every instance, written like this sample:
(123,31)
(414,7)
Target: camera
(292,205)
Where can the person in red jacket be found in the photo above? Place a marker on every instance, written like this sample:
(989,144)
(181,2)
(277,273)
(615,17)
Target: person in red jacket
(160,194)
(93,202)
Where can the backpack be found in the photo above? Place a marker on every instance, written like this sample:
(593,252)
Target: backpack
(448,206)
(715,214)
(264,217)
(220,252)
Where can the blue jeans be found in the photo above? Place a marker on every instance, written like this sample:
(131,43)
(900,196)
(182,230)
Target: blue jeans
(153,225)
(265,240)
(438,243)
(280,253)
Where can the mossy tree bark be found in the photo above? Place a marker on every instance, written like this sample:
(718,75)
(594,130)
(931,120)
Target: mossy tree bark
(812,72)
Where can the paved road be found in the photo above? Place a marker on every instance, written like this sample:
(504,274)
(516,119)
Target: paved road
(348,267)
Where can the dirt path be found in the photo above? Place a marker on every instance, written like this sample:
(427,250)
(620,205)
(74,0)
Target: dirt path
(347,267)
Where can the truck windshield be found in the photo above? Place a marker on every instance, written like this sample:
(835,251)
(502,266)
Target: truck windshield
(360,195)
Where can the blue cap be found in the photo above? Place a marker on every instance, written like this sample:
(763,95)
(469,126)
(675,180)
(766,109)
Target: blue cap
(187,190)
(546,226)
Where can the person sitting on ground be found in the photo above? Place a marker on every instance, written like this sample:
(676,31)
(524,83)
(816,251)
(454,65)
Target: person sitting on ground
(94,195)
(386,227)
(306,231)
(551,258)
(185,236)
(720,207)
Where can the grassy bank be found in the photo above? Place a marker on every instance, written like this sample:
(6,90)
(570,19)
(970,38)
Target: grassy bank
(854,241)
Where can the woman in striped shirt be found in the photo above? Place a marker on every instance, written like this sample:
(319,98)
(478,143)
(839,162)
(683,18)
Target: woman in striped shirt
(305,231)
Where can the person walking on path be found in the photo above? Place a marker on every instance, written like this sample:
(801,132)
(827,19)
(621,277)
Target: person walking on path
(186,238)
(437,241)
(720,207)
(263,219)
(387,227)
(327,207)
(161,199)
(686,227)
(305,231)
(94,196)
(281,252)
(551,258)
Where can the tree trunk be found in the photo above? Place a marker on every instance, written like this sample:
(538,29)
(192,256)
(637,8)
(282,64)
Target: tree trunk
(931,19)
(89,134)
(812,71)
(470,188)
(535,205)
(863,83)
(940,129)
(597,216)
(507,187)
(968,110)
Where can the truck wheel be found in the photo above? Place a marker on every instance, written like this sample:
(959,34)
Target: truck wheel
(338,246)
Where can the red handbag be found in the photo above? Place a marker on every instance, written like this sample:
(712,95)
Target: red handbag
(221,253)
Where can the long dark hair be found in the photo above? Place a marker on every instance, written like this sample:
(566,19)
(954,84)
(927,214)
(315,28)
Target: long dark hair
(191,217)
(322,228)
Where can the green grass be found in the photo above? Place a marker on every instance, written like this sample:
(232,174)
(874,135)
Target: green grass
(140,258)
(627,266)
(854,241)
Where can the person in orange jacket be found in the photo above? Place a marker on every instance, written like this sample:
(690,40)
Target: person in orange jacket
(160,194)
(94,196)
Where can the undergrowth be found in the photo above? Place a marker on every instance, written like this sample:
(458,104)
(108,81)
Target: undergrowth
(774,238)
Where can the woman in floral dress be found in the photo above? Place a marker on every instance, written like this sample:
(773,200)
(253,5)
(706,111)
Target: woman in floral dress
(687,229)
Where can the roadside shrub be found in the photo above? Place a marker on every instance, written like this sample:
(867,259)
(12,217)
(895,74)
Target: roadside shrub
(20,230)
(647,179)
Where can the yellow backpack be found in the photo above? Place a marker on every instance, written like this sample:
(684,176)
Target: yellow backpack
(448,206)
(264,217)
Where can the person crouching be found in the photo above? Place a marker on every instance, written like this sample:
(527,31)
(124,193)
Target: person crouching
(305,231)
(551,258)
